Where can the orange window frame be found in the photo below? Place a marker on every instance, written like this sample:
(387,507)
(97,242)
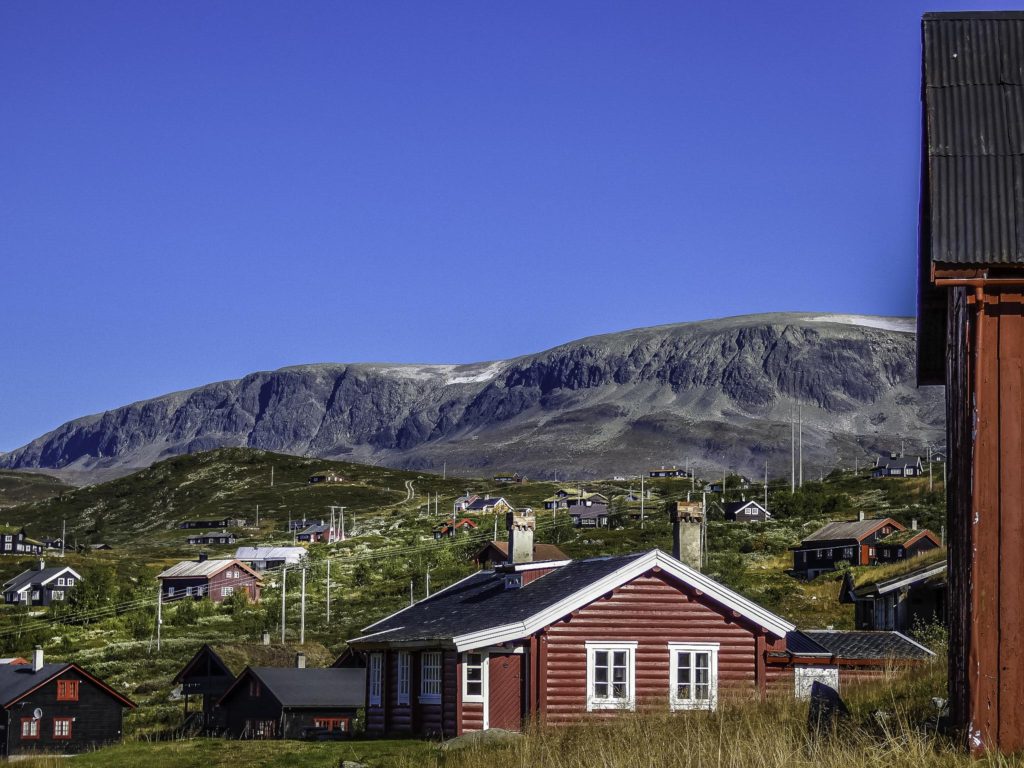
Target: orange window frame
(56,722)
(332,723)
(67,690)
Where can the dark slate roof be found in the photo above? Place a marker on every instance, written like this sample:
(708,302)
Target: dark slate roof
(18,679)
(843,531)
(481,503)
(974,113)
(32,577)
(735,506)
(594,510)
(481,601)
(862,644)
(314,687)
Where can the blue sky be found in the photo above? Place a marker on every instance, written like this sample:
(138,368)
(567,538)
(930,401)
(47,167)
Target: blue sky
(193,191)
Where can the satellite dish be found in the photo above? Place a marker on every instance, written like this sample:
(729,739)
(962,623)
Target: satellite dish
(37,713)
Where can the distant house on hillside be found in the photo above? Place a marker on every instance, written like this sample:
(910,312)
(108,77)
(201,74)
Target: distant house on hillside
(566,498)
(224,522)
(589,516)
(509,477)
(216,579)
(853,542)
(326,476)
(57,708)
(899,545)
(449,528)
(905,596)
(489,505)
(895,464)
(267,558)
(745,512)
(14,541)
(661,472)
(293,702)
(318,532)
(464,501)
(210,539)
(41,585)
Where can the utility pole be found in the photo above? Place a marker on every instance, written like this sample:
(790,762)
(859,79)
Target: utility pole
(159,612)
(341,512)
(302,611)
(328,591)
(428,582)
(257,515)
(792,452)
(495,530)
(929,469)
(271,475)
(412,600)
(766,485)
(284,582)
(800,443)
(444,471)
(63,535)
(641,500)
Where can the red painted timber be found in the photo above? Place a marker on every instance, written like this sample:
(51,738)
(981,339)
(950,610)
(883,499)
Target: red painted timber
(1011,520)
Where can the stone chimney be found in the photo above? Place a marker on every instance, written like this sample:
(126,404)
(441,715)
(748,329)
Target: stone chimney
(300,660)
(521,525)
(687,533)
(37,658)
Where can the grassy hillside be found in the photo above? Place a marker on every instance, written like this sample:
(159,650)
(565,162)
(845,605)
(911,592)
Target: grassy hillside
(23,487)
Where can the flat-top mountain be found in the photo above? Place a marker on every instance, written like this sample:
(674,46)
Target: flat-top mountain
(718,393)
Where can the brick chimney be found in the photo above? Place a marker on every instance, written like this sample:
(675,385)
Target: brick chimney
(521,525)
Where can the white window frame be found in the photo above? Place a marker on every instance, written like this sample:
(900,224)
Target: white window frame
(227,591)
(430,688)
(593,647)
(57,594)
(481,697)
(404,677)
(674,649)
(375,692)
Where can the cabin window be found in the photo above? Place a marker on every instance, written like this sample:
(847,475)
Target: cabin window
(170,591)
(430,677)
(331,723)
(188,591)
(848,553)
(57,594)
(404,668)
(262,729)
(29,728)
(899,553)
(474,676)
(693,673)
(871,551)
(227,591)
(60,581)
(828,553)
(254,688)
(610,673)
(62,727)
(67,690)
(376,678)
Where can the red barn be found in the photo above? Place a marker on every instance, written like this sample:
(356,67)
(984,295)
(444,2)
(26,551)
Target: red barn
(560,639)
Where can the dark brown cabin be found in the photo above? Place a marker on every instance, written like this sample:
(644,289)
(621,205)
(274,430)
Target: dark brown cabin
(971,339)
(909,596)
(854,542)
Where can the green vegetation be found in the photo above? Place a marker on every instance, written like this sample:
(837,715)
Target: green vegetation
(23,487)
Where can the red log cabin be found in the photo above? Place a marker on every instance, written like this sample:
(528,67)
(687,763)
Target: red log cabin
(971,340)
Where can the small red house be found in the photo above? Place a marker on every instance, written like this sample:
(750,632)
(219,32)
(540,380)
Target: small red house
(216,579)
(557,640)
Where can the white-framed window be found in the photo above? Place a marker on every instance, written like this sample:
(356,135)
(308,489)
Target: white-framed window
(430,677)
(227,591)
(188,591)
(693,675)
(474,676)
(170,591)
(611,674)
(58,594)
(404,673)
(60,581)
(376,690)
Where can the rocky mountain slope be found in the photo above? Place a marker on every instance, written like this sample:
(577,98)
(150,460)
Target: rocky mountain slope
(718,393)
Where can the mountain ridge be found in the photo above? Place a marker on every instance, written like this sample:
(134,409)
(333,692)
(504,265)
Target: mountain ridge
(715,392)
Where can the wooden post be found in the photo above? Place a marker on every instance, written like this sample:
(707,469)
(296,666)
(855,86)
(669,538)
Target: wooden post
(284,582)
(302,611)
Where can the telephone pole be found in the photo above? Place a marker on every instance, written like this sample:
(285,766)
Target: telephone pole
(284,582)
(766,485)
(328,591)
(159,612)
(792,451)
(641,500)
(63,535)
(800,443)
(271,475)
(302,611)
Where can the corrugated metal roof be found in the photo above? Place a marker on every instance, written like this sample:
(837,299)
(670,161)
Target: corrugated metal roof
(288,554)
(196,569)
(974,141)
(844,530)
